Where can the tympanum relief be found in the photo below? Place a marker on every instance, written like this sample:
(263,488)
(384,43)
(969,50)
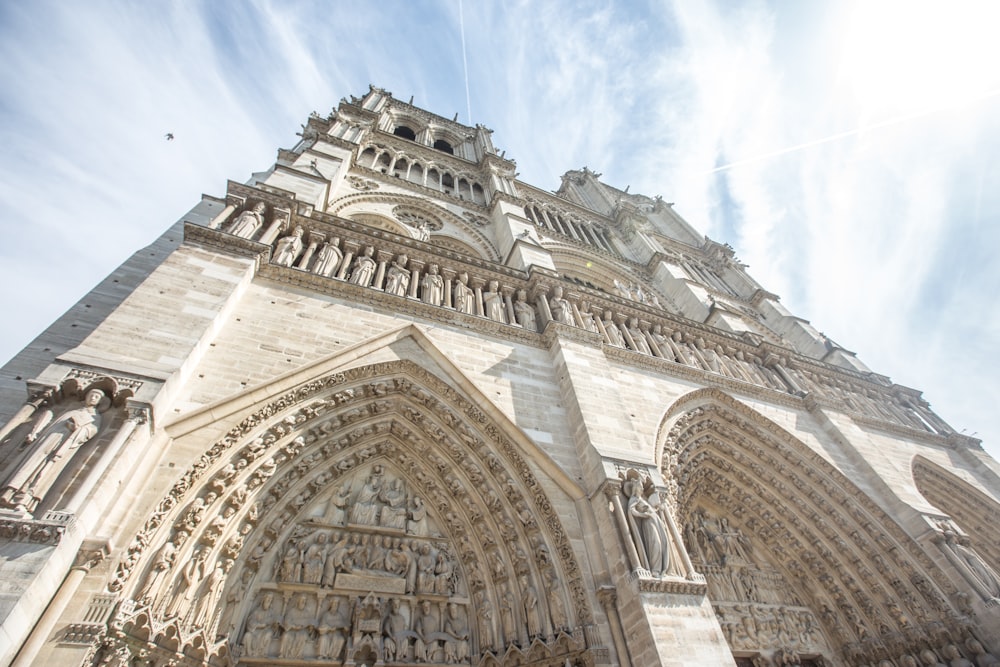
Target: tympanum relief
(757,609)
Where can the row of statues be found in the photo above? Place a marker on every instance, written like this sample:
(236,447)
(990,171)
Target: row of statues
(391,630)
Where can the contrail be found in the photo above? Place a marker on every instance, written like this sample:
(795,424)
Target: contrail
(465,62)
(848,133)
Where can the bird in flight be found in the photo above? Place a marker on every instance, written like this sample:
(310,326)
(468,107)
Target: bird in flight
(169,136)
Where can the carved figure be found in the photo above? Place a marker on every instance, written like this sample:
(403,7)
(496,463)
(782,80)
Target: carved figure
(332,629)
(365,508)
(288,248)
(425,626)
(638,337)
(484,609)
(336,508)
(587,318)
(929,659)
(364,268)
(432,286)
(398,277)
(394,510)
(507,603)
(416,515)
(164,561)
(393,632)
(313,559)
(296,626)
(981,573)
(328,258)
(456,626)
(524,312)
(493,303)
(249,221)
(425,570)
(187,585)
(557,608)
(982,658)
(559,307)
(955,658)
(465,298)
(261,626)
(444,571)
(211,589)
(614,334)
(55,446)
(289,568)
(646,525)
(529,601)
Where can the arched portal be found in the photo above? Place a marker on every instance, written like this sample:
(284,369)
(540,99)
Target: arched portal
(372,515)
(799,560)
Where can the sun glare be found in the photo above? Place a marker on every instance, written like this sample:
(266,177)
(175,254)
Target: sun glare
(904,56)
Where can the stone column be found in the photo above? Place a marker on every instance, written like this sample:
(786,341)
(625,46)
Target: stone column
(223,216)
(506,292)
(278,223)
(477,286)
(35,400)
(383,257)
(448,275)
(416,266)
(86,558)
(613,491)
(350,248)
(608,597)
(314,240)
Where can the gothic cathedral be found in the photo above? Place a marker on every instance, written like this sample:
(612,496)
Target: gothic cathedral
(385,404)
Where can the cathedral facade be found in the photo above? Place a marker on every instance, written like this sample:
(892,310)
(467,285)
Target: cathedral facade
(386,404)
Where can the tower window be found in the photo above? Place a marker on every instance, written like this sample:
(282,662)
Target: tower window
(444,147)
(406,133)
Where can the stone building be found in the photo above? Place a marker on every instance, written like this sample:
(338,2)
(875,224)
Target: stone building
(386,404)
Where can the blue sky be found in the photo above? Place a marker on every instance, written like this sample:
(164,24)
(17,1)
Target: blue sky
(862,138)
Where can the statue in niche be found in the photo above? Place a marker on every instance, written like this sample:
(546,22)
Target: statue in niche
(560,308)
(288,247)
(161,565)
(364,268)
(981,573)
(398,277)
(54,446)
(365,508)
(394,636)
(465,298)
(493,303)
(614,333)
(416,515)
(587,318)
(647,527)
(425,627)
(529,601)
(557,608)
(186,587)
(262,624)
(211,589)
(336,508)
(456,626)
(313,560)
(332,629)
(638,337)
(249,221)
(393,511)
(432,286)
(484,609)
(524,312)
(507,603)
(328,258)
(296,626)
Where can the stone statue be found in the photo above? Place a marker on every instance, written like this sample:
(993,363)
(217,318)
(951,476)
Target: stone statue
(638,337)
(432,286)
(288,248)
(529,601)
(929,659)
(557,608)
(507,615)
(456,626)
(262,623)
(365,509)
(465,298)
(484,609)
(393,632)
(332,630)
(398,277)
(393,511)
(328,258)
(336,509)
(981,573)
(955,658)
(493,303)
(211,589)
(444,571)
(313,559)
(425,570)
(364,268)
(525,312)
(290,567)
(425,626)
(249,221)
(296,627)
(416,514)
(587,318)
(647,527)
(560,308)
(186,587)
(982,658)
(614,334)
(53,448)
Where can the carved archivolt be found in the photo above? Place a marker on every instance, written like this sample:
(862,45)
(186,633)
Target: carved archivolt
(872,588)
(377,501)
